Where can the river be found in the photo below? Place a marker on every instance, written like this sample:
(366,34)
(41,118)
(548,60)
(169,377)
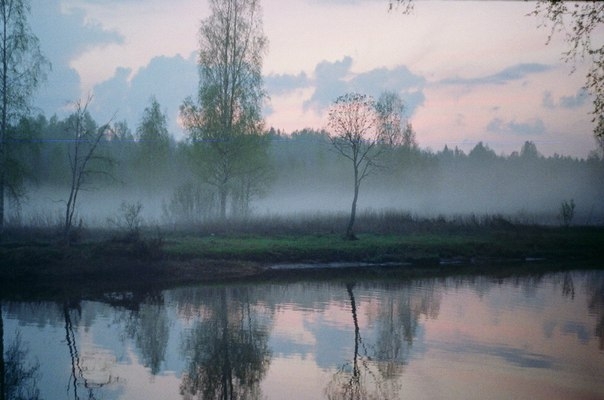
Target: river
(454,337)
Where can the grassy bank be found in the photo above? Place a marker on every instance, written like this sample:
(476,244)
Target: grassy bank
(548,243)
(184,257)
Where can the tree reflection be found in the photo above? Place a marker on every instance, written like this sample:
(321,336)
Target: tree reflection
(358,379)
(373,371)
(149,326)
(78,378)
(19,380)
(568,285)
(397,323)
(595,291)
(227,350)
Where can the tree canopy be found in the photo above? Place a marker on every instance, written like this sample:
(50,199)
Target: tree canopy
(22,68)
(232,47)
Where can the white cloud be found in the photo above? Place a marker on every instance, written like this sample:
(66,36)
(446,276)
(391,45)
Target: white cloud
(150,28)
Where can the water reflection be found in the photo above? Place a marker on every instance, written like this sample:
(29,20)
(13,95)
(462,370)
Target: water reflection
(149,326)
(377,362)
(86,374)
(226,349)
(453,337)
(20,378)
(595,292)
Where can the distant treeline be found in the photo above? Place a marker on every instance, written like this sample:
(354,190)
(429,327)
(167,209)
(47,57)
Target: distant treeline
(302,175)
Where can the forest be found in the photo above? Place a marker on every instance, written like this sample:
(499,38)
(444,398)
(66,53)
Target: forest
(160,181)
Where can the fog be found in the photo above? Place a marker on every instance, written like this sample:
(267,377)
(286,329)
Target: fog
(308,178)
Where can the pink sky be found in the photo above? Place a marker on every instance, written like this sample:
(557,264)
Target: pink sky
(469,71)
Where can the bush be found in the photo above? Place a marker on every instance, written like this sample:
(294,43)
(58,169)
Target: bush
(189,205)
(129,219)
(567,212)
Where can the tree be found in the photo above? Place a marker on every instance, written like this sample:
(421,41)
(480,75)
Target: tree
(20,159)
(232,45)
(84,162)
(583,19)
(356,132)
(154,139)
(529,151)
(22,69)
(254,177)
(391,118)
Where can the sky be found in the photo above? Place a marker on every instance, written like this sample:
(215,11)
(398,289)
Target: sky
(468,72)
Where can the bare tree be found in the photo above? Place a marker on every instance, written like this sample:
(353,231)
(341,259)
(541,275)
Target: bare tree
(355,132)
(84,161)
(232,45)
(22,68)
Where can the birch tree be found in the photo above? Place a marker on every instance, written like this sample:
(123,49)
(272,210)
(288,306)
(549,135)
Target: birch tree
(22,69)
(232,46)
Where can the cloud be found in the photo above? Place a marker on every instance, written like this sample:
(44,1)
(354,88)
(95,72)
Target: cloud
(513,73)
(329,82)
(112,97)
(332,79)
(277,84)
(567,102)
(575,101)
(529,128)
(63,37)
(169,79)
(548,100)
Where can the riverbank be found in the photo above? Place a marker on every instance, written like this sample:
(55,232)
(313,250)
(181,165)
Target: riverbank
(178,258)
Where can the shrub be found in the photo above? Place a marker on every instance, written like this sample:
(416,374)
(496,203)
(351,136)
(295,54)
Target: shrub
(567,212)
(189,205)
(129,219)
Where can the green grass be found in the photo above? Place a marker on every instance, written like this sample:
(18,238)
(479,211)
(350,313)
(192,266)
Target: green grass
(549,243)
(280,248)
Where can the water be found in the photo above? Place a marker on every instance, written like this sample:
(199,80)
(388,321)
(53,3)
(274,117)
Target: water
(530,337)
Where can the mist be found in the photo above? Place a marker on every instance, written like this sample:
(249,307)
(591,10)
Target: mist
(308,179)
